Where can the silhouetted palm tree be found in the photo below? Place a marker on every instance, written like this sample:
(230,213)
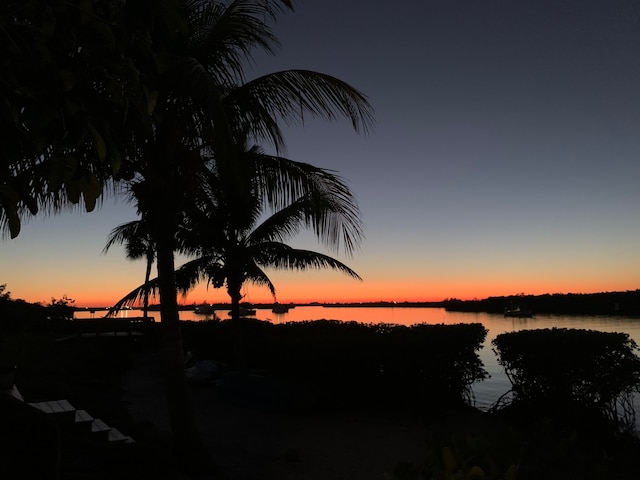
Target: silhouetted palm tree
(245,252)
(131,91)
(138,244)
(243,216)
(202,98)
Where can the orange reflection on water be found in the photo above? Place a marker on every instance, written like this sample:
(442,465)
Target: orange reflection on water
(371,315)
(400,315)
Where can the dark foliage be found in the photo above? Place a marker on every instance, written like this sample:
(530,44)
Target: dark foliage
(605,303)
(349,363)
(567,416)
(569,373)
(20,316)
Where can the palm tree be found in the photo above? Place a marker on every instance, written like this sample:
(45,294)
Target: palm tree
(201,98)
(243,216)
(138,244)
(225,229)
(131,91)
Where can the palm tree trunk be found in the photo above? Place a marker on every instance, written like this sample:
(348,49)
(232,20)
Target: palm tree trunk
(145,302)
(238,344)
(188,444)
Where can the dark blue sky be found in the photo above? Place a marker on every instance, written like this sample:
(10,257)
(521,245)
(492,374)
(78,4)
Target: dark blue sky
(504,159)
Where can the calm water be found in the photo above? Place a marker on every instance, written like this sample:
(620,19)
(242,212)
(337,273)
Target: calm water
(488,391)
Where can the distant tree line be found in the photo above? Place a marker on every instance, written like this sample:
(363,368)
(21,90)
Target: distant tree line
(17,314)
(604,303)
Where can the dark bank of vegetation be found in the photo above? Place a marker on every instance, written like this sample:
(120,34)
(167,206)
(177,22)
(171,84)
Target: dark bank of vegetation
(605,303)
(569,414)
(18,315)
(347,364)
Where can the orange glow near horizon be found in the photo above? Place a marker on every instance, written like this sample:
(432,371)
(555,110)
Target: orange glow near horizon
(328,292)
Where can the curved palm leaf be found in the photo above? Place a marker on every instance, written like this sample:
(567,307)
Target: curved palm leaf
(320,197)
(280,256)
(223,37)
(288,95)
(258,276)
(185,279)
(134,236)
(135,296)
(330,220)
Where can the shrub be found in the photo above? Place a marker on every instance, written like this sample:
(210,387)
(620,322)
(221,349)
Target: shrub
(494,455)
(418,367)
(571,371)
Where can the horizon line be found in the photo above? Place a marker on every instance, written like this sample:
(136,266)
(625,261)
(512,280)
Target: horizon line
(366,302)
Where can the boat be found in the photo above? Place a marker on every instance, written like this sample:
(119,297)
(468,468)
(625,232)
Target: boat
(279,308)
(518,313)
(245,311)
(204,309)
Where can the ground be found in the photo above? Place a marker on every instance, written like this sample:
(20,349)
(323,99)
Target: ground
(251,443)
(253,433)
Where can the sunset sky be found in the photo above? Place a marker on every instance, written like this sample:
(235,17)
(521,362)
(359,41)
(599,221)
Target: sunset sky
(505,157)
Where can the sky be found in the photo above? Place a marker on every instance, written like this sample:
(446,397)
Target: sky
(504,159)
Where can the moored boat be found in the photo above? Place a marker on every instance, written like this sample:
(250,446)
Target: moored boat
(204,309)
(279,308)
(245,311)
(518,313)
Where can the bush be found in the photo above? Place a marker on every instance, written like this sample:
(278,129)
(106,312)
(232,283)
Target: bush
(354,363)
(464,455)
(571,371)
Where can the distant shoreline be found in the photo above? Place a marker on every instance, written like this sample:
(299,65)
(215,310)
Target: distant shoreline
(223,306)
(605,303)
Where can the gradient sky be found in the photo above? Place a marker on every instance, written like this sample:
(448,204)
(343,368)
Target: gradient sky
(505,157)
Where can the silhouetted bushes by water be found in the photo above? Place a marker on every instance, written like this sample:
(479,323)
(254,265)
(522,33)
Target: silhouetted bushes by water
(606,303)
(569,373)
(349,363)
(569,415)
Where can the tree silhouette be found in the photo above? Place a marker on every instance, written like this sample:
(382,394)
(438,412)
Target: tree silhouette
(69,96)
(201,99)
(138,244)
(100,92)
(242,217)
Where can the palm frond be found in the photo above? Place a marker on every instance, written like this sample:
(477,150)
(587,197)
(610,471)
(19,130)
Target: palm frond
(134,235)
(280,256)
(291,94)
(189,274)
(224,36)
(135,296)
(187,277)
(257,276)
(324,200)
(280,226)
